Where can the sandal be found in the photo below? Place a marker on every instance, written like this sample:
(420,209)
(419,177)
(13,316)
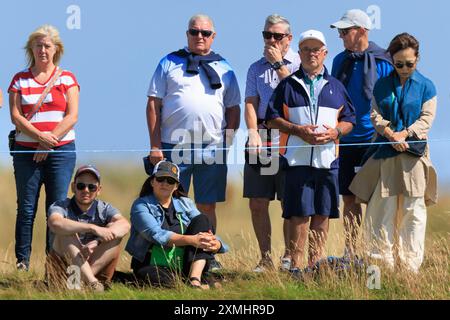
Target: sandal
(197,286)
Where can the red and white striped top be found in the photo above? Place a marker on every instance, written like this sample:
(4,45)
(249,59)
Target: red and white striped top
(53,108)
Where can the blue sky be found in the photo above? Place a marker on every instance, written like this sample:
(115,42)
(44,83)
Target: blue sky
(119,44)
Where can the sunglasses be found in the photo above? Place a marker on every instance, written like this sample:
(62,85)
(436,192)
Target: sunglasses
(277,36)
(311,50)
(400,65)
(205,33)
(169,180)
(344,32)
(91,187)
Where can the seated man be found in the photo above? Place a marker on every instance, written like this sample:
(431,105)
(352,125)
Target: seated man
(85,232)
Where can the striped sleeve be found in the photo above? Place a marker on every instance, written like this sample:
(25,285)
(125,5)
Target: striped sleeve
(15,82)
(68,80)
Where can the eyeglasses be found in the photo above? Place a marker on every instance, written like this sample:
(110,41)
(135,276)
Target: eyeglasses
(91,187)
(169,180)
(277,36)
(344,32)
(314,51)
(400,65)
(205,33)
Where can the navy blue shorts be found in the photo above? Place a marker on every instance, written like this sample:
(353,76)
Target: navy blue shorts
(350,158)
(209,175)
(310,191)
(257,185)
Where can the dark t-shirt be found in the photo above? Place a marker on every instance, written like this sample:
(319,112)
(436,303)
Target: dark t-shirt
(100,213)
(171,221)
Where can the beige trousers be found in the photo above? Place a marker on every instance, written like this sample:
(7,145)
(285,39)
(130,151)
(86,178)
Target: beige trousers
(396,225)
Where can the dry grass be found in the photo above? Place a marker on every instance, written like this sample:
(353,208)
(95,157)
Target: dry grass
(234,226)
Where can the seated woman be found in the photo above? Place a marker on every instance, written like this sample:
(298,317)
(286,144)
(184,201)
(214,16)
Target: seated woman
(164,222)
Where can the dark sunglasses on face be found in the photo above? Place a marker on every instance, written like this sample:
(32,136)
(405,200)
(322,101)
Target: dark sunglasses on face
(344,32)
(91,187)
(277,36)
(169,180)
(311,50)
(400,65)
(205,33)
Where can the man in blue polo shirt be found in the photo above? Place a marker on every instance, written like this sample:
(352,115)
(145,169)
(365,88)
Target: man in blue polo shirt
(263,76)
(313,111)
(85,232)
(358,67)
(193,102)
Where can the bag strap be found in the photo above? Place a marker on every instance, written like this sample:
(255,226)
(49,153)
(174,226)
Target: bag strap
(49,87)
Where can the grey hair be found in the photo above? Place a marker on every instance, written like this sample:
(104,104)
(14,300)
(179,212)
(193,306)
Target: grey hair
(276,18)
(200,17)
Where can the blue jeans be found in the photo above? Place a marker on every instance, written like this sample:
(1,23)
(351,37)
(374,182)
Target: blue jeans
(55,173)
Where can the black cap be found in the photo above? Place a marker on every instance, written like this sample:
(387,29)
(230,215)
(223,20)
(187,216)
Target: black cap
(166,168)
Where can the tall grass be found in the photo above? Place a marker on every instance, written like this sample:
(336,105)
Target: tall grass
(121,187)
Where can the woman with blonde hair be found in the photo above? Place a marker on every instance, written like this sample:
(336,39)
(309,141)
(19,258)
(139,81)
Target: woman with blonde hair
(43,101)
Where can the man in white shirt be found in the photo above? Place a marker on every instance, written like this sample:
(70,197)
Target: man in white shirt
(193,98)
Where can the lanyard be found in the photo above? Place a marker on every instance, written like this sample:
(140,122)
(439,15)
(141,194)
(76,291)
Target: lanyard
(181,222)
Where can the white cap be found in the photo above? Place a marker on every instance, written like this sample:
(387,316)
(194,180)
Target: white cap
(312,34)
(353,18)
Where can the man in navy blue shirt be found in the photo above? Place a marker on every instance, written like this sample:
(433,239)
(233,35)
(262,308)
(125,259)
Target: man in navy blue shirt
(312,110)
(358,67)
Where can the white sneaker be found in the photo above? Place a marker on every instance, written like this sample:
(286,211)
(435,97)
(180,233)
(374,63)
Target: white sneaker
(22,266)
(259,269)
(285,264)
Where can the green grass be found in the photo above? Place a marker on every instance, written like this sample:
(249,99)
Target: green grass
(120,187)
(241,284)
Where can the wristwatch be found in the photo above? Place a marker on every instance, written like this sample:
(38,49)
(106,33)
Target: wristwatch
(277,65)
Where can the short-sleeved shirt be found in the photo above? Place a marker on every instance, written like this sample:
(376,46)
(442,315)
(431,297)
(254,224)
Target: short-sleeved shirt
(99,213)
(188,101)
(53,108)
(262,79)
